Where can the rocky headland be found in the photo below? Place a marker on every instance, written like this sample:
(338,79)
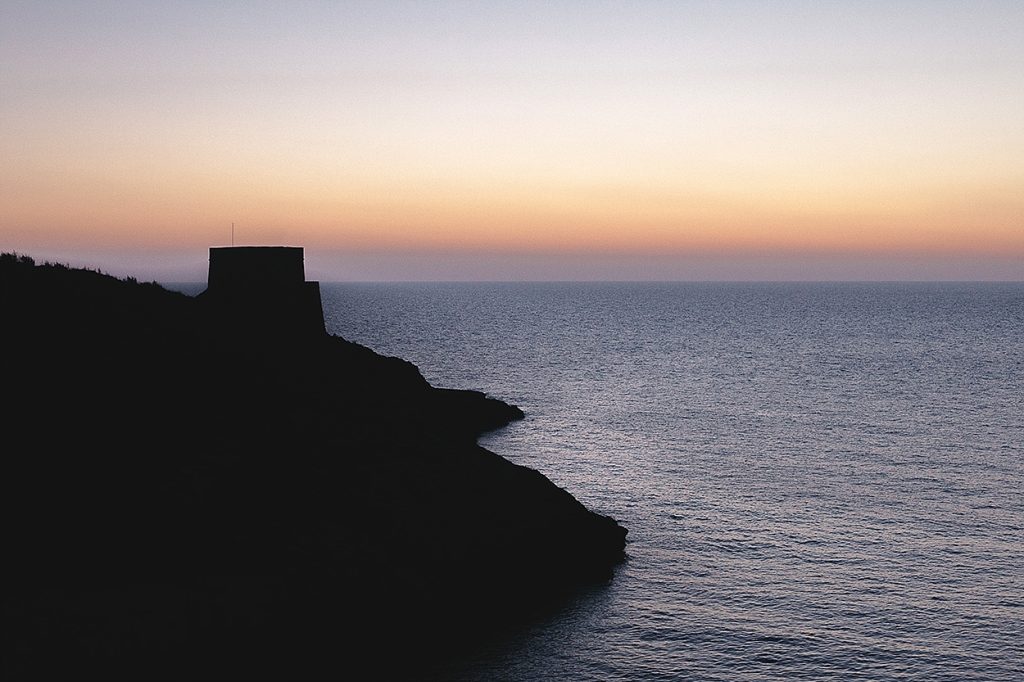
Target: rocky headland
(201,488)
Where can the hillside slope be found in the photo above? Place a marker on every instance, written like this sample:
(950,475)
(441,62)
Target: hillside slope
(186,499)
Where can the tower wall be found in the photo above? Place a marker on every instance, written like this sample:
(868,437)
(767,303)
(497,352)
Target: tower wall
(248,267)
(263,290)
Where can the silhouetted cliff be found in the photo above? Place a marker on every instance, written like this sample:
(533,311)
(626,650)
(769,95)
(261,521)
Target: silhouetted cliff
(185,498)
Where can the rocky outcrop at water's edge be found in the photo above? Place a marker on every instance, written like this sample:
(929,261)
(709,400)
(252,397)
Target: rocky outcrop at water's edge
(186,498)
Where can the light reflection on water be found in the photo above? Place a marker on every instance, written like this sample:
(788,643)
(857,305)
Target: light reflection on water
(820,480)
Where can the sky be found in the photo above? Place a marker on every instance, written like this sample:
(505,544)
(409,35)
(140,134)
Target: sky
(527,140)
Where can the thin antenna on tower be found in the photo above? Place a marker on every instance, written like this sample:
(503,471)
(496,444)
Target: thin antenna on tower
(232,234)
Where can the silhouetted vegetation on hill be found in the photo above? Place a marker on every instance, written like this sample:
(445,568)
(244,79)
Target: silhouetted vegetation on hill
(185,498)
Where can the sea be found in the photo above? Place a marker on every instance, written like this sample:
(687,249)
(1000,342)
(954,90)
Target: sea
(821,481)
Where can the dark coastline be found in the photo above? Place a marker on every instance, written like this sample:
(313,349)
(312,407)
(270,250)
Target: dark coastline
(187,498)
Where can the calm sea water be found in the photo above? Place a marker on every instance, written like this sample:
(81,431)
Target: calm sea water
(821,481)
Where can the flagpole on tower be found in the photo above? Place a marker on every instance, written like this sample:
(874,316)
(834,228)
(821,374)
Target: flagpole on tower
(232,234)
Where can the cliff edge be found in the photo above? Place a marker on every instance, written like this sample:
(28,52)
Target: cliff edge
(184,497)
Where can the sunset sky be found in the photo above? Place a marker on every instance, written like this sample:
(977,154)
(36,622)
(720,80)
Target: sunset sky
(548,140)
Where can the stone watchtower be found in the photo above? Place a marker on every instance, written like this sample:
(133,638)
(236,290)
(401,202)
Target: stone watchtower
(263,290)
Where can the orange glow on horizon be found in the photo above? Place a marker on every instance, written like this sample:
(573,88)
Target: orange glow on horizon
(602,219)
